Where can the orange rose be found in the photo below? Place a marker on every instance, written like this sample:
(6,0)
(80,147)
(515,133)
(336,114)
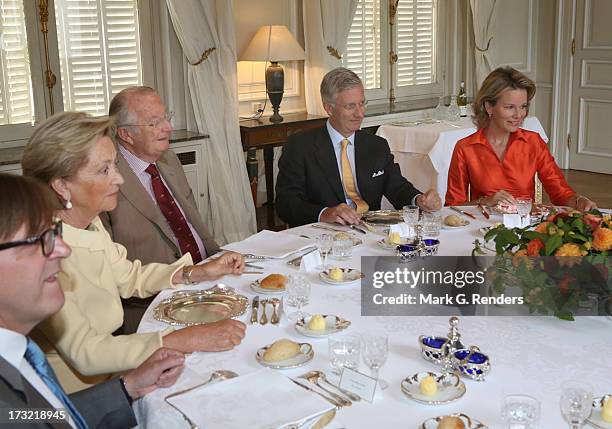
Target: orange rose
(569,254)
(543,227)
(534,247)
(602,239)
(520,256)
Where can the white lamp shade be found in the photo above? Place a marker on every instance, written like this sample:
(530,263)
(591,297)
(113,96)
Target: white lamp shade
(273,43)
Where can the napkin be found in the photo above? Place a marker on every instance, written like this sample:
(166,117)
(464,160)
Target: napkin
(263,399)
(402,228)
(270,244)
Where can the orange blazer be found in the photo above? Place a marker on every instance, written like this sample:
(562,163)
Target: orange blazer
(476,171)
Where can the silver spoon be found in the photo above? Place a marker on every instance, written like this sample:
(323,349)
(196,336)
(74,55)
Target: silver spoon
(216,375)
(264,318)
(323,377)
(313,378)
(274,320)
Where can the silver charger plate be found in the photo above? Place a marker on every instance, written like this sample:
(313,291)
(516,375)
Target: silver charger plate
(470,423)
(596,420)
(333,324)
(306,355)
(450,388)
(349,275)
(383,217)
(256,286)
(198,307)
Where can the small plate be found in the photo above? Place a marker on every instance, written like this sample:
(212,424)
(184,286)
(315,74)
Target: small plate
(333,324)
(350,275)
(386,244)
(596,420)
(450,388)
(470,423)
(256,286)
(306,354)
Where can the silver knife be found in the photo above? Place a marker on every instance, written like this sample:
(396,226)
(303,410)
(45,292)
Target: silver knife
(357,229)
(463,212)
(255,307)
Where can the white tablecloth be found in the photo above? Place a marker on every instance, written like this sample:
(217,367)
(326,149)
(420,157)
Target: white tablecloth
(530,355)
(424,152)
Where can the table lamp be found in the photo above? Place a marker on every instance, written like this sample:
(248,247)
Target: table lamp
(274,43)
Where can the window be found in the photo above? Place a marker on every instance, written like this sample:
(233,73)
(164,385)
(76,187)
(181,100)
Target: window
(415,41)
(99,51)
(16,103)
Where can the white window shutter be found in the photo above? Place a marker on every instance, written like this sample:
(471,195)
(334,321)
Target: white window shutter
(99,51)
(415,43)
(16,100)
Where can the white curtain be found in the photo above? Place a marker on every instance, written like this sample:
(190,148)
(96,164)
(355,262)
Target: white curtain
(483,17)
(326,24)
(201,25)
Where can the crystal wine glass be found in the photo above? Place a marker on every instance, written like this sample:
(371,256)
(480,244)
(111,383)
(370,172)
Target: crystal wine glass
(375,352)
(297,295)
(521,412)
(576,403)
(411,217)
(324,244)
(523,206)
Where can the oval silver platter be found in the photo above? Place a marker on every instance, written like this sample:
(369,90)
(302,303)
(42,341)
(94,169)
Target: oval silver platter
(198,307)
(383,217)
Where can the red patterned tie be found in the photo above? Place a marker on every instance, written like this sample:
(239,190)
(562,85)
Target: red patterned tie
(173,215)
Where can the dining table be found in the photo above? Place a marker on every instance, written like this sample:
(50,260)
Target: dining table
(529,355)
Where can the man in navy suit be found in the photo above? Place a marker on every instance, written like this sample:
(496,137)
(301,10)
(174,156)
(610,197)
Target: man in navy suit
(31,248)
(335,173)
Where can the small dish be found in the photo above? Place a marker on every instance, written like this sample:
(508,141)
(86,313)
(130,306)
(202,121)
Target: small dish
(333,324)
(450,388)
(306,355)
(256,286)
(386,244)
(469,423)
(596,420)
(349,275)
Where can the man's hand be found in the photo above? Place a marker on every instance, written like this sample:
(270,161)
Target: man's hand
(227,263)
(429,201)
(161,369)
(212,337)
(342,214)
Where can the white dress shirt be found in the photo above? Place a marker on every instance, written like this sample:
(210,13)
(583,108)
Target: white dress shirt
(139,166)
(12,349)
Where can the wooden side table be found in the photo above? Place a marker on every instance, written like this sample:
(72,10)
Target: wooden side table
(262,134)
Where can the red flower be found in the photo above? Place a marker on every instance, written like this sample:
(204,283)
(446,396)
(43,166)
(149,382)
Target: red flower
(534,247)
(592,221)
(564,284)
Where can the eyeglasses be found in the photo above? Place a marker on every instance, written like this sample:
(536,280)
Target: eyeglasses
(352,106)
(155,123)
(47,239)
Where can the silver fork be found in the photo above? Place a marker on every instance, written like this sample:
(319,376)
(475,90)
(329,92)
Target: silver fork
(274,320)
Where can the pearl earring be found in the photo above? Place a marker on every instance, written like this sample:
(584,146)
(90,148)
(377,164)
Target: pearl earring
(68,204)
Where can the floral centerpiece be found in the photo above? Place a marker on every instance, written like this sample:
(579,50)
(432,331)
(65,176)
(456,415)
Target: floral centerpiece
(562,263)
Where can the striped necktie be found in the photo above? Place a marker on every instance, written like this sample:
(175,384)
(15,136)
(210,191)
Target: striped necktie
(348,181)
(35,357)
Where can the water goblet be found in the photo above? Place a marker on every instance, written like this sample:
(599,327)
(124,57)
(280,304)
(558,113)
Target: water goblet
(297,295)
(523,207)
(410,214)
(576,403)
(324,244)
(520,412)
(344,352)
(375,352)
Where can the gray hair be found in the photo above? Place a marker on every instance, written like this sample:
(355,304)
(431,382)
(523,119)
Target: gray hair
(119,108)
(337,80)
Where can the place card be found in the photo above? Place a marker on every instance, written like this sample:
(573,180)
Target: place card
(310,261)
(512,220)
(358,383)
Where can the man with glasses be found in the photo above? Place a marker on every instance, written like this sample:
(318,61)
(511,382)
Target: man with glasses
(335,173)
(31,249)
(156,219)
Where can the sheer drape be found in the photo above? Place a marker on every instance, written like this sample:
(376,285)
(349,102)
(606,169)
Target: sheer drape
(483,17)
(326,27)
(200,26)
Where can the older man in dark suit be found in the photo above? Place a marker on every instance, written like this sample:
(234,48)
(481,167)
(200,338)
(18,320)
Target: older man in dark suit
(31,248)
(335,173)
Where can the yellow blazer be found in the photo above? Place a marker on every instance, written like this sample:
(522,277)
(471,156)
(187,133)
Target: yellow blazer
(94,278)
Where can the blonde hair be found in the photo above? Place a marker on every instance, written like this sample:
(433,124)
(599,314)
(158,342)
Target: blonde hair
(59,146)
(495,83)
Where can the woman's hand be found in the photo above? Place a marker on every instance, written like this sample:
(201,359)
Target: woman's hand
(583,204)
(212,337)
(502,196)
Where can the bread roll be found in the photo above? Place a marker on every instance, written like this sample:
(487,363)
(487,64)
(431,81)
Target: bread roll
(273,281)
(454,220)
(281,350)
(450,422)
